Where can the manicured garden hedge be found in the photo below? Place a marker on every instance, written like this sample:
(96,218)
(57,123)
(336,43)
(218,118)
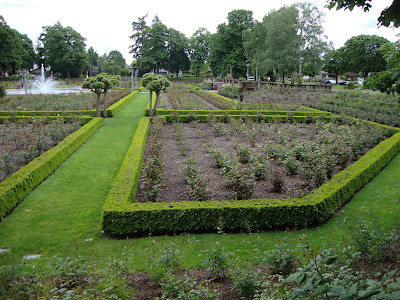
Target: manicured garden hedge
(83,119)
(122,216)
(111,111)
(17,186)
(124,188)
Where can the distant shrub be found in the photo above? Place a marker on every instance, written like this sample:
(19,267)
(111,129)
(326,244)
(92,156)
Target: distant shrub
(2,91)
(230,90)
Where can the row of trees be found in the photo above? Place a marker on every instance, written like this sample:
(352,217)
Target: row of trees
(285,40)
(63,48)
(288,40)
(158,47)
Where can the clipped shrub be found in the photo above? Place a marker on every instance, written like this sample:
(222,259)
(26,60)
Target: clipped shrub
(230,90)
(2,91)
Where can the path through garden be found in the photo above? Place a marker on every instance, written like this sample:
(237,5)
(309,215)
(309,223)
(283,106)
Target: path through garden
(67,206)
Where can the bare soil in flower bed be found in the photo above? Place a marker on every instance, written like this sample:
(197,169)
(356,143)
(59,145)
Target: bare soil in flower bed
(300,175)
(192,102)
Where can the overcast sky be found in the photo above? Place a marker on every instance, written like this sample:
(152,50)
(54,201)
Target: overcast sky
(107,25)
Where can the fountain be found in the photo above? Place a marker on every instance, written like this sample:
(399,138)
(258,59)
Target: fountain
(43,85)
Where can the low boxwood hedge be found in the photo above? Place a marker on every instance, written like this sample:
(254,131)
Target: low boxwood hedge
(122,216)
(111,111)
(123,191)
(17,186)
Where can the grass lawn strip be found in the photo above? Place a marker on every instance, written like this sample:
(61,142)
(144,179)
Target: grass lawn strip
(67,206)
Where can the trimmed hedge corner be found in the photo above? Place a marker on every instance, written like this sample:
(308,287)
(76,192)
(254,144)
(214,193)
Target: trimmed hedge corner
(122,216)
(17,186)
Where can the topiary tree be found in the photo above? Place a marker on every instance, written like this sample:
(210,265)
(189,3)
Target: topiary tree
(154,83)
(100,84)
(114,80)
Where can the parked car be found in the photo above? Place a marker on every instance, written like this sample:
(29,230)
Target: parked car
(330,81)
(343,82)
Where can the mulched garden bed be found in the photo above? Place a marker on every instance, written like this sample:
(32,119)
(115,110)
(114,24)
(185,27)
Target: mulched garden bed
(279,148)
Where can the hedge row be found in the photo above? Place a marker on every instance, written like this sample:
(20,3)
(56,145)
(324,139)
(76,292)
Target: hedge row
(83,119)
(123,191)
(123,217)
(16,187)
(164,112)
(111,111)
(116,107)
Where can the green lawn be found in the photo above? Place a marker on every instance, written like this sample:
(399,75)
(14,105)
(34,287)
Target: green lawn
(63,215)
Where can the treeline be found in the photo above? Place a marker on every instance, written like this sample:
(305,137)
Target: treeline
(62,48)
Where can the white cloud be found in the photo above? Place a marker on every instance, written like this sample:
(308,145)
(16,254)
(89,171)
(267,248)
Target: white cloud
(108,25)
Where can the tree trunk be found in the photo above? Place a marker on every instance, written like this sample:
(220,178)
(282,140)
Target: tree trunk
(151,104)
(274,74)
(301,68)
(292,81)
(98,105)
(105,106)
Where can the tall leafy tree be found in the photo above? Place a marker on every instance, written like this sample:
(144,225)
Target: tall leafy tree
(114,63)
(138,37)
(390,16)
(282,42)
(154,52)
(178,51)
(313,41)
(16,49)
(63,49)
(333,63)
(93,59)
(227,44)
(200,49)
(360,54)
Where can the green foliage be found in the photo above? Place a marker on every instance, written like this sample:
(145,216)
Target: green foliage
(226,49)
(21,183)
(122,217)
(200,48)
(2,91)
(16,49)
(215,261)
(230,90)
(389,16)
(63,49)
(360,54)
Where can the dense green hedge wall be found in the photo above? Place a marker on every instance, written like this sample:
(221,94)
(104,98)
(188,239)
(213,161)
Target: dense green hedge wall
(16,187)
(121,216)
(126,183)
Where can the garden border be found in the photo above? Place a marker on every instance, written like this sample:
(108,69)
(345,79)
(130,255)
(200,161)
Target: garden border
(17,186)
(122,216)
(111,111)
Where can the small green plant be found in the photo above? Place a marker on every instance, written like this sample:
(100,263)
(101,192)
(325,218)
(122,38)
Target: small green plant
(215,261)
(244,153)
(184,287)
(245,278)
(197,180)
(166,261)
(242,181)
